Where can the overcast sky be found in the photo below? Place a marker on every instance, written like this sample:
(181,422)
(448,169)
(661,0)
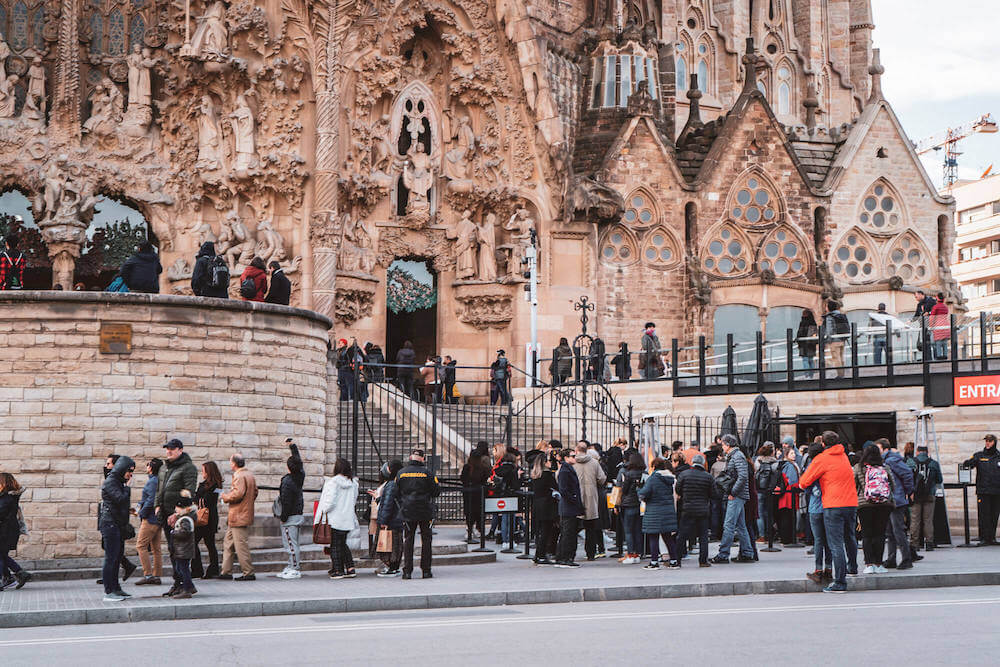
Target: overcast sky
(941,60)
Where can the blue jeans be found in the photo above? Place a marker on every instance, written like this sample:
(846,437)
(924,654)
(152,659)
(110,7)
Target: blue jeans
(9,566)
(879,344)
(632,523)
(735,526)
(941,348)
(837,521)
(114,546)
(897,535)
(821,548)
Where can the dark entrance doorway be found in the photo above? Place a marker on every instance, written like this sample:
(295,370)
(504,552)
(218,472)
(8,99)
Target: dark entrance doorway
(855,429)
(411,308)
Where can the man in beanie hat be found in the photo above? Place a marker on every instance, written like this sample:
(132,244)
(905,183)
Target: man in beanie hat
(178,474)
(694,487)
(927,480)
(182,544)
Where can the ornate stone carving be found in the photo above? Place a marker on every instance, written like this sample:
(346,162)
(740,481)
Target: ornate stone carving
(8,95)
(484,305)
(355,297)
(486,233)
(700,281)
(466,236)
(521,227)
(593,201)
(826,279)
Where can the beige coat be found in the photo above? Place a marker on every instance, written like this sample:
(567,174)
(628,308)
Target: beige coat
(241,498)
(592,479)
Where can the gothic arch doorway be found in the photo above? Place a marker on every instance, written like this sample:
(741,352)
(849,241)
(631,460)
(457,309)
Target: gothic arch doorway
(18,222)
(114,234)
(411,308)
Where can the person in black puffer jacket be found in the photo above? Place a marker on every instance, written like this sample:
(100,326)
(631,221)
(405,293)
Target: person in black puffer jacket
(390,518)
(694,486)
(112,521)
(290,496)
(10,531)
(202,274)
(141,272)
(629,480)
(544,508)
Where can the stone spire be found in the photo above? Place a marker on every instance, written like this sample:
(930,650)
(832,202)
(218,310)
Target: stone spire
(876,70)
(750,68)
(694,110)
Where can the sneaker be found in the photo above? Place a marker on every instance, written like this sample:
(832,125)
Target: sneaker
(869,569)
(183,594)
(561,563)
(225,576)
(651,566)
(22,577)
(149,581)
(880,570)
(290,574)
(674,564)
(835,588)
(852,573)
(407,575)
(601,554)
(121,592)
(816,576)
(542,561)
(704,565)
(340,575)
(905,565)
(427,574)
(173,590)
(246,577)
(744,559)
(914,557)
(113,597)
(350,574)
(719,560)
(573,563)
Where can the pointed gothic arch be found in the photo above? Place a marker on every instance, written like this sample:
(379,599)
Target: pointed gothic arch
(727,251)
(660,249)
(908,257)
(785,97)
(706,64)
(619,247)
(685,60)
(755,199)
(785,251)
(416,102)
(881,210)
(641,209)
(855,258)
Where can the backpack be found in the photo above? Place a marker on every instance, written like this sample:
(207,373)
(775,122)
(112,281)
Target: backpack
(500,372)
(877,488)
(841,325)
(922,480)
(248,288)
(13,276)
(767,477)
(219,274)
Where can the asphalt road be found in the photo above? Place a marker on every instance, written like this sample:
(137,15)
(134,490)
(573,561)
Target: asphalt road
(934,626)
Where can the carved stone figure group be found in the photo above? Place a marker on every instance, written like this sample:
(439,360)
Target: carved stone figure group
(475,247)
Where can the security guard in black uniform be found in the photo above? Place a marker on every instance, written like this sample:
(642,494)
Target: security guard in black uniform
(417,489)
(987,465)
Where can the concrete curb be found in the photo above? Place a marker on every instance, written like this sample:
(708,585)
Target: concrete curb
(128,613)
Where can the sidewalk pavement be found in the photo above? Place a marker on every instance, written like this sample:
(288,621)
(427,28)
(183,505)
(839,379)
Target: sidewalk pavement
(508,581)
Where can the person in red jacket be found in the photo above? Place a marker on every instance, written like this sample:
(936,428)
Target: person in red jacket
(940,326)
(840,507)
(257,272)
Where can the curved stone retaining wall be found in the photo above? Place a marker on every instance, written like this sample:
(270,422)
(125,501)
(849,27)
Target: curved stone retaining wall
(221,375)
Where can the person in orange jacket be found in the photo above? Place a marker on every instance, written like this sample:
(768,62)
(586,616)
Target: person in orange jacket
(833,471)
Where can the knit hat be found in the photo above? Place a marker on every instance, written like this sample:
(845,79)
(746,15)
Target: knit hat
(698,460)
(185,499)
(788,440)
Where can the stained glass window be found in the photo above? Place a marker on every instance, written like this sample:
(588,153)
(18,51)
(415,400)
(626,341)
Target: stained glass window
(854,258)
(880,210)
(137,31)
(618,247)
(703,76)
(96,33)
(754,202)
(727,253)
(38,28)
(116,33)
(19,28)
(682,75)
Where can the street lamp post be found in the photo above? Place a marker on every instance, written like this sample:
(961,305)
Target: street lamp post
(584,306)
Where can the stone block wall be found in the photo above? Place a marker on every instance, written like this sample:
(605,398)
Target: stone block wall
(223,376)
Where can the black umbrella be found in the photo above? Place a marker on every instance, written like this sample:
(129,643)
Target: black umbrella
(758,426)
(729,424)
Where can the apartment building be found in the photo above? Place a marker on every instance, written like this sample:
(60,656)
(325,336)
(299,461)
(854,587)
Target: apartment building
(976,264)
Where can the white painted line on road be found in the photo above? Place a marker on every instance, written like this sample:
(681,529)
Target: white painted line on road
(492,620)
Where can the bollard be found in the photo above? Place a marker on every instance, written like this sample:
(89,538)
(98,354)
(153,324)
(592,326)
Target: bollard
(769,524)
(527,495)
(482,529)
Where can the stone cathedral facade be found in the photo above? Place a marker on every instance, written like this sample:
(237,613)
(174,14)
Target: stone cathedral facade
(692,162)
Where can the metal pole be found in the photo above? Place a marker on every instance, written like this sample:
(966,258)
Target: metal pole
(434,417)
(527,525)
(730,380)
(954,344)
(888,354)
(701,364)
(531,254)
(854,354)
(789,361)
(760,362)
(482,525)
(983,366)
(354,420)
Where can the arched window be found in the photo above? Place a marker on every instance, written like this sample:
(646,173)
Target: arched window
(881,208)
(909,259)
(117,25)
(703,76)
(616,75)
(854,258)
(659,248)
(762,87)
(727,252)
(682,73)
(754,201)
(783,252)
(705,65)
(619,247)
(641,210)
(784,75)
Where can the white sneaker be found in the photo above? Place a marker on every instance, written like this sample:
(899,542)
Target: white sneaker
(869,569)
(113,597)
(880,570)
(281,575)
(290,574)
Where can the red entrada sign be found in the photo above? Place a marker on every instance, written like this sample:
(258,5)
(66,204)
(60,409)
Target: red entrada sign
(977,390)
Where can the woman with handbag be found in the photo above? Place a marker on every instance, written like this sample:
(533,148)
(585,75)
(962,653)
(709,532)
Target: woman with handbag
(336,510)
(10,531)
(207,520)
(114,525)
(389,545)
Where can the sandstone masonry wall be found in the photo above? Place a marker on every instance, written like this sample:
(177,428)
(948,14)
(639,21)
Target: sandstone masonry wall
(221,375)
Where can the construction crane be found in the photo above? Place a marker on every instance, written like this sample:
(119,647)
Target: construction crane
(948,139)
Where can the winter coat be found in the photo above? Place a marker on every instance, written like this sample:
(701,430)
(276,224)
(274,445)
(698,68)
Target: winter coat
(182,537)
(544,506)
(280,290)
(201,275)
(658,494)
(10,528)
(807,348)
(418,488)
(835,476)
(569,492)
(337,502)
(207,495)
(925,306)
(694,486)
(939,323)
(622,365)
(175,476)
(141,272)
(375,369)
(405,357)
(592,478)
(259,277)
(290,492)
(650,357)
(473,477)
(859,485)
(629,482)
(389,513)
(902,476)
(739,470)
(788,498)
(115,495)
(504,480)
(562,361)
(241,496)
(934,477)
(987,465)
(148,502)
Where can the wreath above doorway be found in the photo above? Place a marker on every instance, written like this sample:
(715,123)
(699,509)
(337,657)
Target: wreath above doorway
(405,293)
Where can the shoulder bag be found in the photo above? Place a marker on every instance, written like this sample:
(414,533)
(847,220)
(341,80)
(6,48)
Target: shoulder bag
(321,531)
(201,514)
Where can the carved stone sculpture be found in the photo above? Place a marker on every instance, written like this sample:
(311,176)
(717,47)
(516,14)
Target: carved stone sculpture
(244,130)
(209,136)
(591,198)
(36,86)
(521,227)
(204,233)
(458,163)
(826,279)
(487,235)
(484,306)
(4,54)
(106,109)
(239,241)
(466,238)
(700,280)
(139,90)
(418,179)
(270,245)
(211,38)
(8,96)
